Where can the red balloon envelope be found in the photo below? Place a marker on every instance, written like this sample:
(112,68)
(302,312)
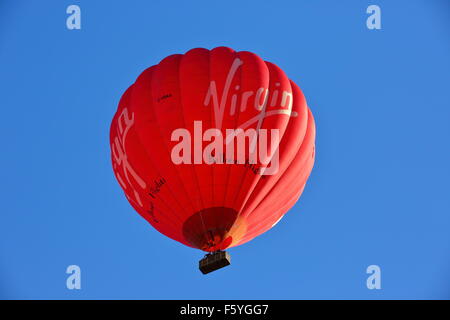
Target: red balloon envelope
(212,147)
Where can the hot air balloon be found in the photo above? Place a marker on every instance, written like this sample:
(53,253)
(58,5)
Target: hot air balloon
(212,148)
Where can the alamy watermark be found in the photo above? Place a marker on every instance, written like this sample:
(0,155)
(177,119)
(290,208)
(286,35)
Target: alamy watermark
(74,279)
(374,280)
(73,22)
(373,22)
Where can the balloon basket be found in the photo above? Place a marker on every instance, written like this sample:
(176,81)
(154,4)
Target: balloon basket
(214,261)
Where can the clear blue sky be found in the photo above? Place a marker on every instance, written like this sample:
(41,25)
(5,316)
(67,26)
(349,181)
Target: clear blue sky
(379,192)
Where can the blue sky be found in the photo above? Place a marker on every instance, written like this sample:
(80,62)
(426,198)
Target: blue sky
(378,194)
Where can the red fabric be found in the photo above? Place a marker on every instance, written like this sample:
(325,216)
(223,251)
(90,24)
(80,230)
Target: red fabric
(218,205)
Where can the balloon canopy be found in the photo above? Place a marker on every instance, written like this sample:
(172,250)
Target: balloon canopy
(212,147)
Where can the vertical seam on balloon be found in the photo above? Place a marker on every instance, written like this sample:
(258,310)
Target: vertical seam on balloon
(211,110)
(236,121)
(191,166)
